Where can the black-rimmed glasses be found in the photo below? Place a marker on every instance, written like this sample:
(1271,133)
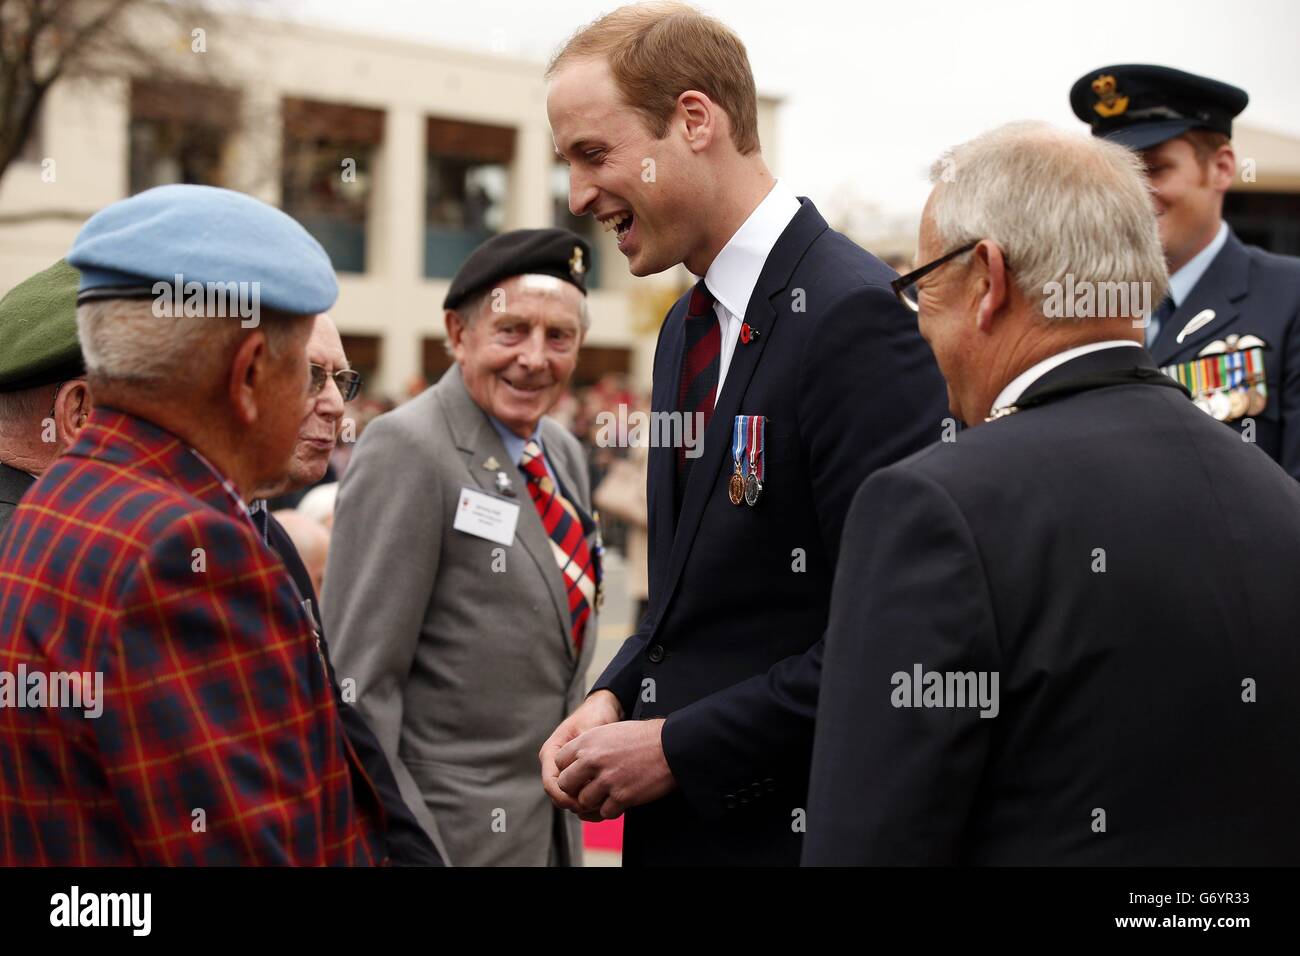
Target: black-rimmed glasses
(348,381)
(903,284)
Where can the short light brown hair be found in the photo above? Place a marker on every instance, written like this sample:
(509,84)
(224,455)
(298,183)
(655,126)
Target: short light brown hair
(657,51)
(1205,142)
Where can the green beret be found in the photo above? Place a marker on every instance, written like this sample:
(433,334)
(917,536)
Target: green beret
(38,326)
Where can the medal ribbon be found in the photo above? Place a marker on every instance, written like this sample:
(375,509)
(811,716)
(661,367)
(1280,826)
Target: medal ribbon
(738,436)
(757,426)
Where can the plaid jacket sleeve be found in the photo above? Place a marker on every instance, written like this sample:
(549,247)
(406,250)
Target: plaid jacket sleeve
(219,734)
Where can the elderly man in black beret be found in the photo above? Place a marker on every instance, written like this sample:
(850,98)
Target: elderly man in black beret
(461,591)
(44,399)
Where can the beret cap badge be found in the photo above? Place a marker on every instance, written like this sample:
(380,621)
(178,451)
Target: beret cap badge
(1109,102)
(576,265)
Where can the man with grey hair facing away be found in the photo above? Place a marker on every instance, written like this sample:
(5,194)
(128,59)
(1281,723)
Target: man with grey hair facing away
(1032,657)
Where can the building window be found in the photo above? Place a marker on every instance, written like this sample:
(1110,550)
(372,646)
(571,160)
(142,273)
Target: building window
(467,189)
(585,226)
(329,152)
(179,133)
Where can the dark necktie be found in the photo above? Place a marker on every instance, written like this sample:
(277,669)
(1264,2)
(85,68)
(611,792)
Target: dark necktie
(1163,313)
(700,361)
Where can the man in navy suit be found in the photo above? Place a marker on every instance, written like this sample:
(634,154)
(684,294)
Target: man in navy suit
(808,375)
(1067,637)
(1230,327)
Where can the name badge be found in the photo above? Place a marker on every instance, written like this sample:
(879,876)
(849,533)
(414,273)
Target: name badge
(486,517)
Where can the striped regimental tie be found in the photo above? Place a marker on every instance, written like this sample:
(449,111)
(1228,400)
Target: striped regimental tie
(568,542)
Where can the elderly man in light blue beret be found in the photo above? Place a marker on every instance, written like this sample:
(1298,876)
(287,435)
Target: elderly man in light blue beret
(204,729)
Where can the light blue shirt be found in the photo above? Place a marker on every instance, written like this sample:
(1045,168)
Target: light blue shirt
(1182,282)
(515,445)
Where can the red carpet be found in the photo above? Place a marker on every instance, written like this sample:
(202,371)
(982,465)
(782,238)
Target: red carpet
(606,835)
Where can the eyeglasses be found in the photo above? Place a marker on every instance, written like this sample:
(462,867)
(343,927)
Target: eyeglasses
(348,381)
(903,284)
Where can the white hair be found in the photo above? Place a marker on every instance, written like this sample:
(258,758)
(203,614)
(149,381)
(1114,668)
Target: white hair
(1057,204)
(482,302)
(122,340)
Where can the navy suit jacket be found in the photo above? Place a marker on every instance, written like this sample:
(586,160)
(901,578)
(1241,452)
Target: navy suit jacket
(730,648)
(1123,563)
(1252,292)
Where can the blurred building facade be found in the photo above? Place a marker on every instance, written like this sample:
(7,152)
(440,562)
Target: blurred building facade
(399,157)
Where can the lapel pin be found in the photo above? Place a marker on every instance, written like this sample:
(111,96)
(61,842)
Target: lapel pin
(1202,318)
(492,464)
(748,332)
(504,485)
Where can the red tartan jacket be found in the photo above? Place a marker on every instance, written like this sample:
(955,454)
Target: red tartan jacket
(218,741)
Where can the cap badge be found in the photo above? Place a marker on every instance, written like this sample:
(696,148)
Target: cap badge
(1110,103)
(576,265)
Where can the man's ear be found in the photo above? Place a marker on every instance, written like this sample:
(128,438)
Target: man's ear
(1223,168)
(456,328)
(992,269)
(699,117)
(249,369)
(71,410)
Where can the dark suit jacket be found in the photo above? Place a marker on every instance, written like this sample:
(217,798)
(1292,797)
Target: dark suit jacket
(1120,690)
(730,650)
(1252,292)
(13,485)
(408,845)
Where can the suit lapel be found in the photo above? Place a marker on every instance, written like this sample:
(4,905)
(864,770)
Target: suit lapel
(761,315)
(1220,289)
(479,442)
(662,462)
(13,484)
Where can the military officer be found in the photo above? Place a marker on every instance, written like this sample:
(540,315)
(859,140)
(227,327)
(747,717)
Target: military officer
(1228,328)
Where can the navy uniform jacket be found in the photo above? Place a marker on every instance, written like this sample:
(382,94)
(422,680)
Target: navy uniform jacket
(730,648)
(407,843)
(1252,292)
(1119,691)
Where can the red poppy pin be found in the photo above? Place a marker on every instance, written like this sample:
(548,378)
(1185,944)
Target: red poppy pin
(747,333)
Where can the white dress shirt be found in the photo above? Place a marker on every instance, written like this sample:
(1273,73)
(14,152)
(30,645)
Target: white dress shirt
(734,273)
(1020,384)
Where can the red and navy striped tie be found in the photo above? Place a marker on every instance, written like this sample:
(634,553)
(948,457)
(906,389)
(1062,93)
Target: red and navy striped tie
(568,542)
(700,361)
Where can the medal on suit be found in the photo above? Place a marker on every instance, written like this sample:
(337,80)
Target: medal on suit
(1226,379)
(736,486)
(757,451)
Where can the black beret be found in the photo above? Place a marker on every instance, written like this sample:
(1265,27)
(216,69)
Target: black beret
(548,252)
(1139,106)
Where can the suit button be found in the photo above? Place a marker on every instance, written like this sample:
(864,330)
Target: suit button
(656,653)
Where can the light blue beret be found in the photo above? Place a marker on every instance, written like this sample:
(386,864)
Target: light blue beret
(205,235)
